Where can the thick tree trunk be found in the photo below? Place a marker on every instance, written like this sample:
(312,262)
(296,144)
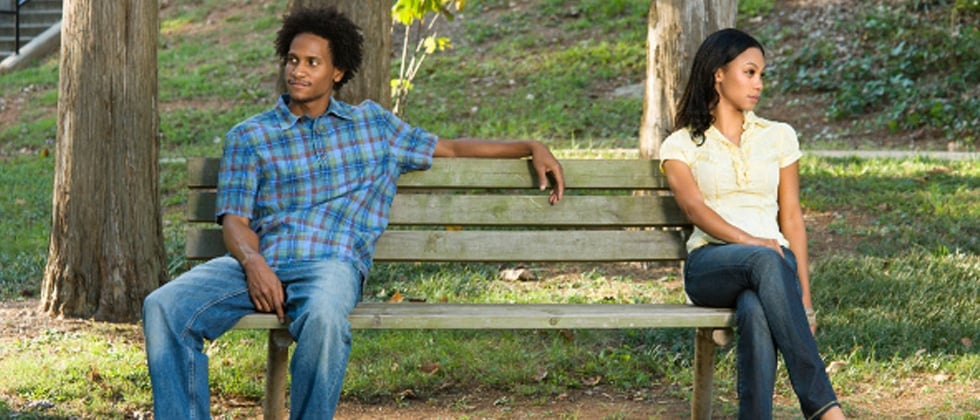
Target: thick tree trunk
(106,251)
(373,81)
(675,30)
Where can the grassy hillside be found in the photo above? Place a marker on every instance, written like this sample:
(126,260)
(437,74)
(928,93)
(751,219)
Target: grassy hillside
(869,74)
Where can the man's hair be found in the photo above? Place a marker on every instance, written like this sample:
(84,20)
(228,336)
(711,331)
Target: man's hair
(345,37)
(700,96)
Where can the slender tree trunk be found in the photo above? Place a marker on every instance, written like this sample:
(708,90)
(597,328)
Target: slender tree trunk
(106,250)
(373,81)
(675,30)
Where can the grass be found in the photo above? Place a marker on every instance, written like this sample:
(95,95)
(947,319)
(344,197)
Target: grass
(897,288)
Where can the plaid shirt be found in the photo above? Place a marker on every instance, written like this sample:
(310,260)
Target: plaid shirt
(318,188)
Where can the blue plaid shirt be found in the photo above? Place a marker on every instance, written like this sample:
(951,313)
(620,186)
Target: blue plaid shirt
(319,188)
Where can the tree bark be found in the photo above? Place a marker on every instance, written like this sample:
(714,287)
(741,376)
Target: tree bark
(373,80)
(106,248)
(675,30)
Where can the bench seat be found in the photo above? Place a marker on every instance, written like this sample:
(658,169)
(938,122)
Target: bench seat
(506,316)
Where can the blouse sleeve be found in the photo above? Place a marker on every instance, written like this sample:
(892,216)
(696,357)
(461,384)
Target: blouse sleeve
(789,146)
(678,146)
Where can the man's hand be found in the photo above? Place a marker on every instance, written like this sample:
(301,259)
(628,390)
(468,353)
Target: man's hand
(544,163)
(264,286)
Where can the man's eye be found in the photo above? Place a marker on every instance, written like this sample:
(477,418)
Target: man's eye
(314,63)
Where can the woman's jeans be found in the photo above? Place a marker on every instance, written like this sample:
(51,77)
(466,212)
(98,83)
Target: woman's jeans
(209,299)
(764,289)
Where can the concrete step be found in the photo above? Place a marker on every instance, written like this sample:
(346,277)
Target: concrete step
(36,16)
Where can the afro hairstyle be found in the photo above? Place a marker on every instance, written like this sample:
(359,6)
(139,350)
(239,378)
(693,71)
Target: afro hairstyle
(346,41)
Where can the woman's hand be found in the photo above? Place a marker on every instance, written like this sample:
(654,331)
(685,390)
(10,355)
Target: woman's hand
(766,242)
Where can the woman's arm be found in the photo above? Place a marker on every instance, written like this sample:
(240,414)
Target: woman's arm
(792,225)
(691,201)
(542,159)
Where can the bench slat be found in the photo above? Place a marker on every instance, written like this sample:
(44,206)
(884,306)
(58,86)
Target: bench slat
(377,315)
(505,210)
(625,174)
(497,246)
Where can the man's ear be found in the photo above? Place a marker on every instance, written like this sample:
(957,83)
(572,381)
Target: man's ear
(338,75)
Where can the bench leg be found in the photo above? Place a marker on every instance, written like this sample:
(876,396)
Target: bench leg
(275,381)
(704,373)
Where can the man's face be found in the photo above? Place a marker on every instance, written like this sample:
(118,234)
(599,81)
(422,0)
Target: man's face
(310,74)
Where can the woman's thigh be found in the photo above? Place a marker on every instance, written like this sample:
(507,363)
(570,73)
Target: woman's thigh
(715,275)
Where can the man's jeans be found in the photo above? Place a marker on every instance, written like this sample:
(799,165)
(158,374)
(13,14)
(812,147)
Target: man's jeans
(209,299)
(765,291)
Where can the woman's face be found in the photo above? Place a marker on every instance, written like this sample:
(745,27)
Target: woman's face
(739,83)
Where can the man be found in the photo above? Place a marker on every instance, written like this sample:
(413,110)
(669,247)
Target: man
(303,194)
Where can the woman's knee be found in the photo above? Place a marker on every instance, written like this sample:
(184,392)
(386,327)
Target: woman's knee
(749,312)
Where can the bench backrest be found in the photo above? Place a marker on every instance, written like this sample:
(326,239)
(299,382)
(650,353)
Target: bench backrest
(490,210)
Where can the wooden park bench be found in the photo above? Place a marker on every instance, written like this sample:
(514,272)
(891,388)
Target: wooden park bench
(498,215)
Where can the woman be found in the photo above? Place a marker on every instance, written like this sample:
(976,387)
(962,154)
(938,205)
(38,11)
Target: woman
(736,177)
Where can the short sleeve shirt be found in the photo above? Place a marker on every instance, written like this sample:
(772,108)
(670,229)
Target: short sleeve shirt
(321,187)
(740,183)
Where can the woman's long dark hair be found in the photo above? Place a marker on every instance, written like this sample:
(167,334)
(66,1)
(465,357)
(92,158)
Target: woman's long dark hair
(700,96)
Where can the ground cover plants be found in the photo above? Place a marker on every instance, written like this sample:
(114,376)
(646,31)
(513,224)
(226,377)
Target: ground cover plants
(894,241)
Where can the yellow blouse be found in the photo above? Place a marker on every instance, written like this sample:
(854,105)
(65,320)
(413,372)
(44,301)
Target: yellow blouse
(740,183)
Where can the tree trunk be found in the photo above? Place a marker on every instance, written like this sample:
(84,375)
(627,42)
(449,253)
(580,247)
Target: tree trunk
(675,30)
(106,250)
(373,80)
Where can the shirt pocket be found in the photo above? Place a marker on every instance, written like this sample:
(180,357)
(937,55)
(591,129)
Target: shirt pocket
(343,167)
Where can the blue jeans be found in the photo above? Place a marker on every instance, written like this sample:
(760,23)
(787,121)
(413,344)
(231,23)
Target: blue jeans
(765,291)
(209,299)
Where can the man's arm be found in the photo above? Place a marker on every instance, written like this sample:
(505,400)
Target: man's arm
(542,159)
(264,286)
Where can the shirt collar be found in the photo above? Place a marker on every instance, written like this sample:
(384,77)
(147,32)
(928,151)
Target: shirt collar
(750,120)
(287,119)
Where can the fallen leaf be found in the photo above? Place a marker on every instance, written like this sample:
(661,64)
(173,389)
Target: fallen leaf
(541,375)
(967,342)
(592,381)
(519,273)
(836,366)
(429,368)
(396,298)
